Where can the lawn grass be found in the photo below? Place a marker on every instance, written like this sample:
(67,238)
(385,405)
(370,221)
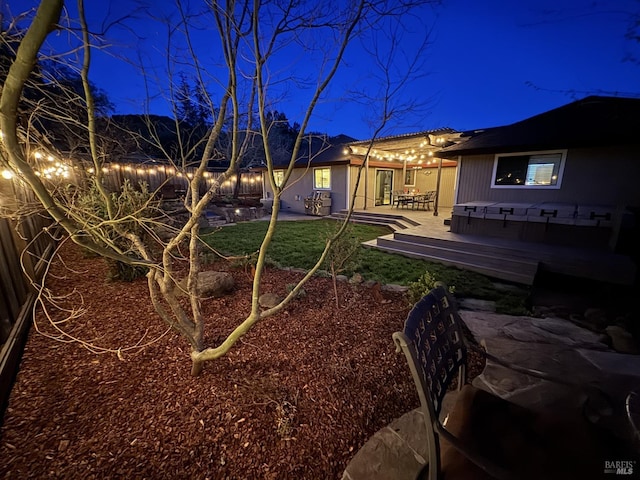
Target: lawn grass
(299,244)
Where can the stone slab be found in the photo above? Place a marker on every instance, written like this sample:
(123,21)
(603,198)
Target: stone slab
(613,362)
(528,329)
(386,455)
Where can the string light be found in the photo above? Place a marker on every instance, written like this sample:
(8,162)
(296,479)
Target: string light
(7,174)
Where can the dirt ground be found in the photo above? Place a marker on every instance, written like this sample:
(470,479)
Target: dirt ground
(295,398)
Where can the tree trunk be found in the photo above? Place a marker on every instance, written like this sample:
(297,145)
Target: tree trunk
(196,368)
(335,284)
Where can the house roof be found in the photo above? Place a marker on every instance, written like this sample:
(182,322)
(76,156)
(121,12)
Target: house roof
(590,122)
(414,148)
(318,150)
(398,144)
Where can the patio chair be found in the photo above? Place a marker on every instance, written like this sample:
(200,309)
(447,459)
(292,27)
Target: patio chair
(396,198)
(484,433)
(424,201)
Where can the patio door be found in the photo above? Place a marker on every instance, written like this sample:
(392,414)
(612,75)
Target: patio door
(384,186)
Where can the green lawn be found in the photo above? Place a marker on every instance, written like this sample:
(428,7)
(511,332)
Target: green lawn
(299,244)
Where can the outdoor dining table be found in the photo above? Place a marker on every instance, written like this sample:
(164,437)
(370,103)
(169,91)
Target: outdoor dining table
(410,198)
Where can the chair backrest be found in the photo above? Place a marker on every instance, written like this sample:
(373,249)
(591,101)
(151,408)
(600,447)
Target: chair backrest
(436,341)
(433,343)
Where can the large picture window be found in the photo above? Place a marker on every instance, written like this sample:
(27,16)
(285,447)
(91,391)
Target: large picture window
(322,178)
(529,170)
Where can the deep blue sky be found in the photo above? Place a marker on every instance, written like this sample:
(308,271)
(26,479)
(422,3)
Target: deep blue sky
(490,62)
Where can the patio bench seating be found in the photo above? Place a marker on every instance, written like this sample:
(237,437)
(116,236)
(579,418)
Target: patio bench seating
(486,436)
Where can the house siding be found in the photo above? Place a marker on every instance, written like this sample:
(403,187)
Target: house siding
(300,185)
(603,176)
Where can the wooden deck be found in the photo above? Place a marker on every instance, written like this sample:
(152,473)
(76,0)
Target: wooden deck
(496,257)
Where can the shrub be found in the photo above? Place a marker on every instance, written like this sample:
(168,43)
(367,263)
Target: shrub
(123,272)
(422,286)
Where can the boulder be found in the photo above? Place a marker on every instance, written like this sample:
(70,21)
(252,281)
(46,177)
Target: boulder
(621,340)
(211,284)
(269,300)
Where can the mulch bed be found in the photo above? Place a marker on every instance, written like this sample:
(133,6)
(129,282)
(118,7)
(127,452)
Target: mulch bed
(295,398)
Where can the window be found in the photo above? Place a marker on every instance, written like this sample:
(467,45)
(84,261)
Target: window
(534,170)
(278,176)
(322,178)
(410,177)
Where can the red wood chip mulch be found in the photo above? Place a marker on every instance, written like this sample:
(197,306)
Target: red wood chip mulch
(295,398)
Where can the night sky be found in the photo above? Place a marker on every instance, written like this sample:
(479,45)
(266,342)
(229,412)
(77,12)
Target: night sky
(489,62)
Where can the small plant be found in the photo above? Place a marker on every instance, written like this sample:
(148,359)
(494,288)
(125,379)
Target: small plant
(343,255)
(422,286)
(285,419)
(131,208)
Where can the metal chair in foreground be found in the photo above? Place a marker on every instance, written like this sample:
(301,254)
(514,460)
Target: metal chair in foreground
(434,344)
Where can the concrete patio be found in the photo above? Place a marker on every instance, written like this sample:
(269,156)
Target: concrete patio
(553,345)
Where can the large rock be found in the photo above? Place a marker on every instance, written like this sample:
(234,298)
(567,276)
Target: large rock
(269,300)
(621,340)
(211,284)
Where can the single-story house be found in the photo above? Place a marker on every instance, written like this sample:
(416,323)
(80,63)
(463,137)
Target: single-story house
(399,163)
(567,176)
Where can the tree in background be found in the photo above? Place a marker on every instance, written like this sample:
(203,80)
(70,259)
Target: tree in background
(251,36)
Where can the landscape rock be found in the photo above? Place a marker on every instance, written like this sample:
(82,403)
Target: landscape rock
(210,284)
(477,305)
(392,287)
(342,278)
(621,340)
(269,300)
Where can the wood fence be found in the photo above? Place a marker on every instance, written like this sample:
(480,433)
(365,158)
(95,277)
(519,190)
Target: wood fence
(167,178)
(25,247)
(24,250)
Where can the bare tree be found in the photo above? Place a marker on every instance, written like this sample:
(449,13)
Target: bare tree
(251,35)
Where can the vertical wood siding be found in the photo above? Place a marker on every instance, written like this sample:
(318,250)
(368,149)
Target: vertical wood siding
(602,176)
